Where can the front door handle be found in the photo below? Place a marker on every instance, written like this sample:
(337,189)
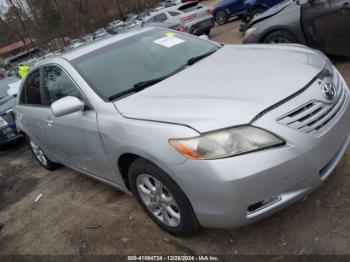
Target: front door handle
(49,122)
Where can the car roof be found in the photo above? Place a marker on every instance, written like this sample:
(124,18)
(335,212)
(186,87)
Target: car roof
(171,8)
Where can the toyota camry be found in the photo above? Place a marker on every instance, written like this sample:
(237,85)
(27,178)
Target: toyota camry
(176,121)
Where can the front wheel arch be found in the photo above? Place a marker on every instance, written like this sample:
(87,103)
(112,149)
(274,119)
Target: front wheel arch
(189,222)
(124,163)
(270,32)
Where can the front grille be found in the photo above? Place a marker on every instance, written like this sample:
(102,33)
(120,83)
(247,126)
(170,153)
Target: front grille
(316,115)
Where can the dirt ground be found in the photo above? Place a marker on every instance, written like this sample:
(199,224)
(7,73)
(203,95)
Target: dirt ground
(78,215)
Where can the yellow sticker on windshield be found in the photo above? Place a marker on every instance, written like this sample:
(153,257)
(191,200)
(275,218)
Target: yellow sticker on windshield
(170,34)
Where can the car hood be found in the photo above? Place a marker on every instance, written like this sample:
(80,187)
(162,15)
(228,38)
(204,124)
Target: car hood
(271,12)
(228,88)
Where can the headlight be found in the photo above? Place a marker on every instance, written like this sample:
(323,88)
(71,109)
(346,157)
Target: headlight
(249,32)
(226,143)
(3,122)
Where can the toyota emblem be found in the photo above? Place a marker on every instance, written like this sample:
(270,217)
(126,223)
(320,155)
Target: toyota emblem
(329,91)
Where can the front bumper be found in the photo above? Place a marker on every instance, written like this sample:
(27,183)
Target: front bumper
(232,192)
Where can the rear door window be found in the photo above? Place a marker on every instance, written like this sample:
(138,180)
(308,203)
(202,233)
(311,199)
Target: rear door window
(173,13)
(190,7)
(159,18)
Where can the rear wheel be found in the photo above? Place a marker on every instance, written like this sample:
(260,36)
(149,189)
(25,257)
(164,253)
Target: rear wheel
(280,37)
(162,199)
(221,17)
(40,156)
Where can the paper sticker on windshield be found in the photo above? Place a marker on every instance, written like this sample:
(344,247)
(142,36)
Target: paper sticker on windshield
(170,34)
(169,41)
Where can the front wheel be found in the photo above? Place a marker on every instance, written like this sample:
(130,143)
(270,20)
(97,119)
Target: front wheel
(162,199)
(280,37)
(40,156)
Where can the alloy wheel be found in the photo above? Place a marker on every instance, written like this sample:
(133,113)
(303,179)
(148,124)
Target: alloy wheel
(280,40)
(39,154)
(158,200)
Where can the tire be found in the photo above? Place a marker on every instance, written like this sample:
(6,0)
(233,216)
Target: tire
(177,218)
(40,156)
(207,32)
(255,12)
(280,37)
(221,17)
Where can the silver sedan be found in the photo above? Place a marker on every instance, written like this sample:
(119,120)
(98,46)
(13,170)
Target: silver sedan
(201,134)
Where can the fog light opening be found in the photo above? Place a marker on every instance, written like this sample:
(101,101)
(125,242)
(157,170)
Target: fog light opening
(263,204)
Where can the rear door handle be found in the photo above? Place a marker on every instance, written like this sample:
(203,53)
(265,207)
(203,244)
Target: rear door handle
(20,116)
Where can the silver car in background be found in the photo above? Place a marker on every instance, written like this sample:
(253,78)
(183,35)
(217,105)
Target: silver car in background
(189,17)
(171,119)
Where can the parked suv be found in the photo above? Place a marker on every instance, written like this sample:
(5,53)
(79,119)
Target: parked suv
(226,9)
(143,112)
(189,17)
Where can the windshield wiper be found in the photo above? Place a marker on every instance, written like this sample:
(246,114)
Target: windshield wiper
(144,84)
(195,59)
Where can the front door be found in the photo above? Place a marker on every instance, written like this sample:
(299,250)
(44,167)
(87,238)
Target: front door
(74,138)
(326,25)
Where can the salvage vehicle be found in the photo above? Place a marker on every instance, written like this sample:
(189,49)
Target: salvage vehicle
(247,9)
(320,24)
(142,112)
(189,17)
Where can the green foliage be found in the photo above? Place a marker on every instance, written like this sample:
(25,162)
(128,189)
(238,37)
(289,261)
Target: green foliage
(50,15)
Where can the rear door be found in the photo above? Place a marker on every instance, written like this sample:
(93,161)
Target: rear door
(326,25)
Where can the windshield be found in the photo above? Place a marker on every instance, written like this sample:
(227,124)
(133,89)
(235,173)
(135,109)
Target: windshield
(153,54)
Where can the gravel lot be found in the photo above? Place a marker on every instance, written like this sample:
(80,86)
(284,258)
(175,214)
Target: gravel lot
(77,215)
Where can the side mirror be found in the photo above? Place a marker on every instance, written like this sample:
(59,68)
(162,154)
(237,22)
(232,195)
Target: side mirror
(67,105)
(205,37)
